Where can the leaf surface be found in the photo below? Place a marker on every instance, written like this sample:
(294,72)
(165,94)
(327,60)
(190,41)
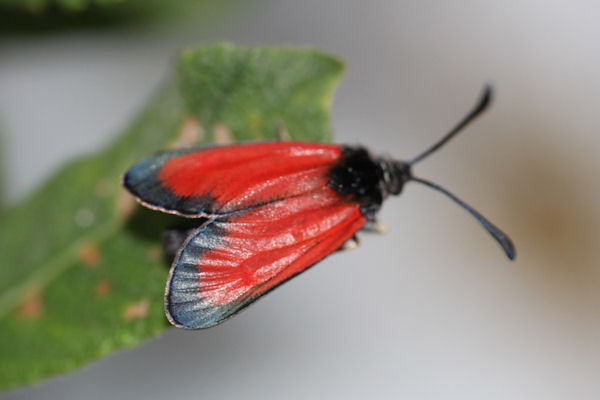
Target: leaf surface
(82,272)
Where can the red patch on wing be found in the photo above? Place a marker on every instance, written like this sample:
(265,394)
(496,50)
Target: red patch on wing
(269,245)
(242,176)
(231,263)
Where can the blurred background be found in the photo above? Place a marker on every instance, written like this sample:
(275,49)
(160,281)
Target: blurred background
(432,309)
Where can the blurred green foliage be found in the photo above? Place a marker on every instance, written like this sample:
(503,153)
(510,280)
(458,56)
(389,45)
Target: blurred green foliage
(2,176)
(31,16)
(77,6)
(39,6)
(81,269)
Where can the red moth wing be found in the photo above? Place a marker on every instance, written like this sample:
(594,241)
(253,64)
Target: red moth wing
(229,263)
(224,179)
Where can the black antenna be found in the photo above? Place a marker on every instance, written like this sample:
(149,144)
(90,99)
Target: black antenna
(480,107)
(497,234)
(492,229)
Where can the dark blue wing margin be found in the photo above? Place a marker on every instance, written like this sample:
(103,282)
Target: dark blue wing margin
(184,305)
(141,181)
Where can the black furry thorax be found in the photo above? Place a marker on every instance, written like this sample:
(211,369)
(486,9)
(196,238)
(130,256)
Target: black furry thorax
(367,180)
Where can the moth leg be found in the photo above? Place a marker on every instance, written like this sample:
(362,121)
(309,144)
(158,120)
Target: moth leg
(282,134)
(350,244)
(173,237)
(374,226)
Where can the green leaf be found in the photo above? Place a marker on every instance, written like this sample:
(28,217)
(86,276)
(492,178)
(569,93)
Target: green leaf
(81,268)
(256,90)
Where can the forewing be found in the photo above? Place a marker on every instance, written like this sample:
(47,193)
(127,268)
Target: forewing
(228,264)
(221,180)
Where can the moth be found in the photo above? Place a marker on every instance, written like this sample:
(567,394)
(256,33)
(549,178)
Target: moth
(267,211)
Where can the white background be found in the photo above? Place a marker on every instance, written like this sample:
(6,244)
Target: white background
(432,310)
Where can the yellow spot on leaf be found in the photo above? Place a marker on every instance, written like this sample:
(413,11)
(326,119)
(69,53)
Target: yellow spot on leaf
(125,205)
(102,288)
(31,307)
(222,134)
(154,254)
(89,255)
(254,122)
(136,310)
(190,133)
(282,133)
(326,100)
